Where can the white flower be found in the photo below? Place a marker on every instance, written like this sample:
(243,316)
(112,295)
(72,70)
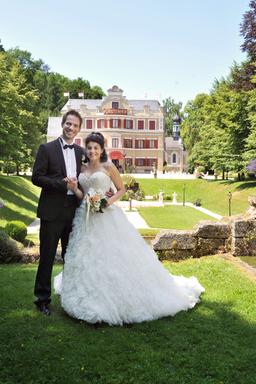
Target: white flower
(95,200)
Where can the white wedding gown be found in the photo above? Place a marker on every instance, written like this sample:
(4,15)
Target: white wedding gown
(111,275)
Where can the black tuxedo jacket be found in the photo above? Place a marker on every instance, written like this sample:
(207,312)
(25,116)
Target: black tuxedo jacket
(48,173)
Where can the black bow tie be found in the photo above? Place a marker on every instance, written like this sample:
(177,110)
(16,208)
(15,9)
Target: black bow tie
(68,146)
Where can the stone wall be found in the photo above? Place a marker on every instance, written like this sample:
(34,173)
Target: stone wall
(235,235)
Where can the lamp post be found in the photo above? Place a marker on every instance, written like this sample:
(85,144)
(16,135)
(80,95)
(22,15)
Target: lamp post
(183,195)
(229,203)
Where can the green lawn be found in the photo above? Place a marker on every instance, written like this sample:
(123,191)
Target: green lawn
(172,217)
(20,199)
(214,194)
(20,196)
(213,343)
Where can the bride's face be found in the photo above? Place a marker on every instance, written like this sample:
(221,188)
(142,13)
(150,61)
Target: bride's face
(93,151)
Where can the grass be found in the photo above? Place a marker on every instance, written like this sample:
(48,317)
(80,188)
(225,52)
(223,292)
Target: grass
(148,231)
(251,260)
(172,217)
(213,343)
(20,196)
(213,194)
(20,199)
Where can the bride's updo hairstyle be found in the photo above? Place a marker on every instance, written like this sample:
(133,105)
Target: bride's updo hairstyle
(97,137)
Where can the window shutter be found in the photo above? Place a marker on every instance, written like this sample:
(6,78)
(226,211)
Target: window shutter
(89,124)
(156,143)
(136,144)
(131,122)
(111,123)
(147,143)
(98,123)
(124,123)
(119,123)
(152,125)
(105,123)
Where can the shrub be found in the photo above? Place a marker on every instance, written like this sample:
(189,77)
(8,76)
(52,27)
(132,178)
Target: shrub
(17,230)
(9,167)
(125,197)
(9,252)
(198,203)
(139,195)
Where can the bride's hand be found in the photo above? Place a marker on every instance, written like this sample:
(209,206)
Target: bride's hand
(109,193)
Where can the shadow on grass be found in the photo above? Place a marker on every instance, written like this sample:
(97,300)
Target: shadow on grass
(211,343)
(20,185)
(244,185)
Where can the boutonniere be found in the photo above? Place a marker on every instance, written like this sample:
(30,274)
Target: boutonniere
(84,159)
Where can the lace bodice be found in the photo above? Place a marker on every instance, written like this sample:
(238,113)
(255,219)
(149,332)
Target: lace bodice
(97,180)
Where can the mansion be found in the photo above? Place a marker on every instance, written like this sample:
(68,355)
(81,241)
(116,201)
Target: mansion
(133,130)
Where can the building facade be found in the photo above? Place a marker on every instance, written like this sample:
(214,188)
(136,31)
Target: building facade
(175,154)
(133,129)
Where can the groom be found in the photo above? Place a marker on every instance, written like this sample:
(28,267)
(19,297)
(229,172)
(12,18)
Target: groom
(56,169)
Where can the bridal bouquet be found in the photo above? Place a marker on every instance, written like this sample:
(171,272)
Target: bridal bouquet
(96,200)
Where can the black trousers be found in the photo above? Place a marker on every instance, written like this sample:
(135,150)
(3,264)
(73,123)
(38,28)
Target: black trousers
(50,234)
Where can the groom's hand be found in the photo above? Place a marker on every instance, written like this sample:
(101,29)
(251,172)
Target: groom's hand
(72,184)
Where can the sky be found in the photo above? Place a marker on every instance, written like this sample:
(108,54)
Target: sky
(152,49)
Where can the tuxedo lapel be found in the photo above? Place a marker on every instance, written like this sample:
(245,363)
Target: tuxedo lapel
(60,157)
(78,159)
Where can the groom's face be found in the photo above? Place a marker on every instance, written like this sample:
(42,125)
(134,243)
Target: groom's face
(70,128)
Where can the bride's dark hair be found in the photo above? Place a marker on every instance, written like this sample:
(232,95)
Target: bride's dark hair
(97,137)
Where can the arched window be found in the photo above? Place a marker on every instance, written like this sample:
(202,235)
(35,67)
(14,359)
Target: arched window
(174,158)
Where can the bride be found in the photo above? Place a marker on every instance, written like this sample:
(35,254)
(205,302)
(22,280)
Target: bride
(110,274)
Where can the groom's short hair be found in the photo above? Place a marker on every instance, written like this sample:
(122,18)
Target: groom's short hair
(72,112)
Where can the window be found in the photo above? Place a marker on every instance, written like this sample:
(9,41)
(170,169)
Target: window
(174,158)
(151,162)
(151,143)
(176,128)
(139,143)
(88,124)
(140,124)
(100,123)
(115,123)
(152,125)
(140,162)
(115,142)
(115,105)
(128,124)
(127,143)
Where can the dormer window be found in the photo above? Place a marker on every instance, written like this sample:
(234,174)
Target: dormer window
(115,105)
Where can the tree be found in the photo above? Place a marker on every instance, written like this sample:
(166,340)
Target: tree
(248,31)
(19,131)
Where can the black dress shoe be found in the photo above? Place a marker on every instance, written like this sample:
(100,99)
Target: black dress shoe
(43,307)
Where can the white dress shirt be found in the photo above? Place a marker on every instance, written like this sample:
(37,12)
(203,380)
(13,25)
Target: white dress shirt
(70,161)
